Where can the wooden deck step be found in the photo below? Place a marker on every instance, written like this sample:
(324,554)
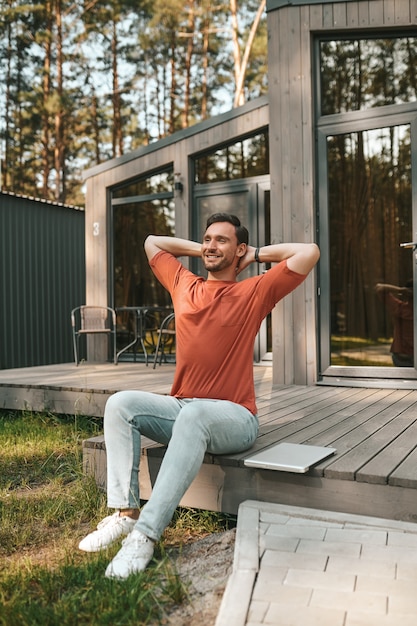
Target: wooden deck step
(373,472)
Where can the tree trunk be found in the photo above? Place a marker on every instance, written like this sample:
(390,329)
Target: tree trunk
(204,85)
(188,62)
(59,151)
(236,51)
(171,127)
(117,133)
(240,80)
(45,166)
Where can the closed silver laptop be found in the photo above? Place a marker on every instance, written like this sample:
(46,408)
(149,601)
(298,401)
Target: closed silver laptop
(289,457)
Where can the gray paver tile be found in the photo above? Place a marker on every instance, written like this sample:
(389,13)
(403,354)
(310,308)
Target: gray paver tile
(275,542)
(310,521)
(353,601)
(393,553)
(293,596)
(307,546)
(373,583)
(359,535)
(406,571)
(273,518)
(271,575)
(361,566)
(300,532)
(320,580)
(365,619)
(402,539)
(257,611)
(293,559)
(303,616)
(403,603)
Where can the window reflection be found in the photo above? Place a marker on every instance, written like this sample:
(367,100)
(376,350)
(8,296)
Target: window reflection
(365,73)
(141,207)
(159,182)
(242,159)
(370,214)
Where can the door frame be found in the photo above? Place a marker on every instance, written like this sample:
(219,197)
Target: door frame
(330,125)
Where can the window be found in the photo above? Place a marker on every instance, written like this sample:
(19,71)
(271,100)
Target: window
(141,207)
(366,129)
(243,159)
(359,74)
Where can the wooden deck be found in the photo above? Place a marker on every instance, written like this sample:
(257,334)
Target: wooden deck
(374,471)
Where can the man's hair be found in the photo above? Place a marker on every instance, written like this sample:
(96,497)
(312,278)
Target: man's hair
(242,233)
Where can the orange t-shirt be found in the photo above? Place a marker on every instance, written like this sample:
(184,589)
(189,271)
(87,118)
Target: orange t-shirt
(216,324)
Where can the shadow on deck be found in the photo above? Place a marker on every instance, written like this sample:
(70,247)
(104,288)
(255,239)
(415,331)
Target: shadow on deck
(374,471)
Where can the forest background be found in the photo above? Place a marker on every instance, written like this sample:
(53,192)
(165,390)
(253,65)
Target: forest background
(84,81)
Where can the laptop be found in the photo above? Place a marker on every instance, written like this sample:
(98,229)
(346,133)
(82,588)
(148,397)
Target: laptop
(289,457)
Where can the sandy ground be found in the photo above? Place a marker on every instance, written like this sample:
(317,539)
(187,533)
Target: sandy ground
(205,566)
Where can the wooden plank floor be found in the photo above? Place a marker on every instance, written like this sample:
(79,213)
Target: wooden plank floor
(374,471)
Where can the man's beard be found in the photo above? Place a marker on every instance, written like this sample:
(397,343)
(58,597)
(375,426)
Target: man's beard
(221,265)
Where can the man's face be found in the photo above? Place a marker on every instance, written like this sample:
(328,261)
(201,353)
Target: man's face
(220,247)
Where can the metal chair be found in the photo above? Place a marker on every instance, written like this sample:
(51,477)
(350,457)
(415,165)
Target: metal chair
(166,338)
(93,320)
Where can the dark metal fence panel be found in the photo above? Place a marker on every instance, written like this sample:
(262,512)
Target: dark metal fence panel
(42,277)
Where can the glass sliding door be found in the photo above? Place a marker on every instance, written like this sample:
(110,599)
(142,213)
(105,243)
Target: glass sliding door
(367,274)
(370,214)
(366,121)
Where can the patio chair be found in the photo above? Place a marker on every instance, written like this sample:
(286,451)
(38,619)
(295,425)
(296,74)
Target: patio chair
(166,339)
(93,320)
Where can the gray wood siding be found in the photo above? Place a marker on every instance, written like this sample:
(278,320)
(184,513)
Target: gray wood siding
(291,134)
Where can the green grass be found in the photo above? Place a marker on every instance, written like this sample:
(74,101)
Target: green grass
(357,351)
(46,506)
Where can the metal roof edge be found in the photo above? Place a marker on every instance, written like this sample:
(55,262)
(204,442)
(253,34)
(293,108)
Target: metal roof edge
(43,200)
(177,136)
(272,5)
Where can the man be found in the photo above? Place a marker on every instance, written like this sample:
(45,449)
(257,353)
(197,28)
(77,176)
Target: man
(212,402)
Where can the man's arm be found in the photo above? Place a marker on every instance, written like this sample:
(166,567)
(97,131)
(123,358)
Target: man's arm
(382,290)
(174,245)
(301,257)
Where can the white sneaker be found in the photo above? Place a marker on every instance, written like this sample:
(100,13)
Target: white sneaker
(109,530)
(133,556)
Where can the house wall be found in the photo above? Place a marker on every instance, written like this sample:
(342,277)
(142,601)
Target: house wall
(289,113)
(291,27)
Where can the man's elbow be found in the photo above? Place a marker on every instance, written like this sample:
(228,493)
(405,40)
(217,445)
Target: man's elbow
(307,259)
(315,253)
(150,246)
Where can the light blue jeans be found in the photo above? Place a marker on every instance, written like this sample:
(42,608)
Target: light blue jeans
(189,427)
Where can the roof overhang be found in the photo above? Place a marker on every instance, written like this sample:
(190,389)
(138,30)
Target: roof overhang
(178,136)
(271,5)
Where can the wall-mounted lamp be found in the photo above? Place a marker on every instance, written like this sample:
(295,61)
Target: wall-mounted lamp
(178,186)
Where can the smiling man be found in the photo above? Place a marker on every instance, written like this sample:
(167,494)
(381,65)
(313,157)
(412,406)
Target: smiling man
(212,405)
